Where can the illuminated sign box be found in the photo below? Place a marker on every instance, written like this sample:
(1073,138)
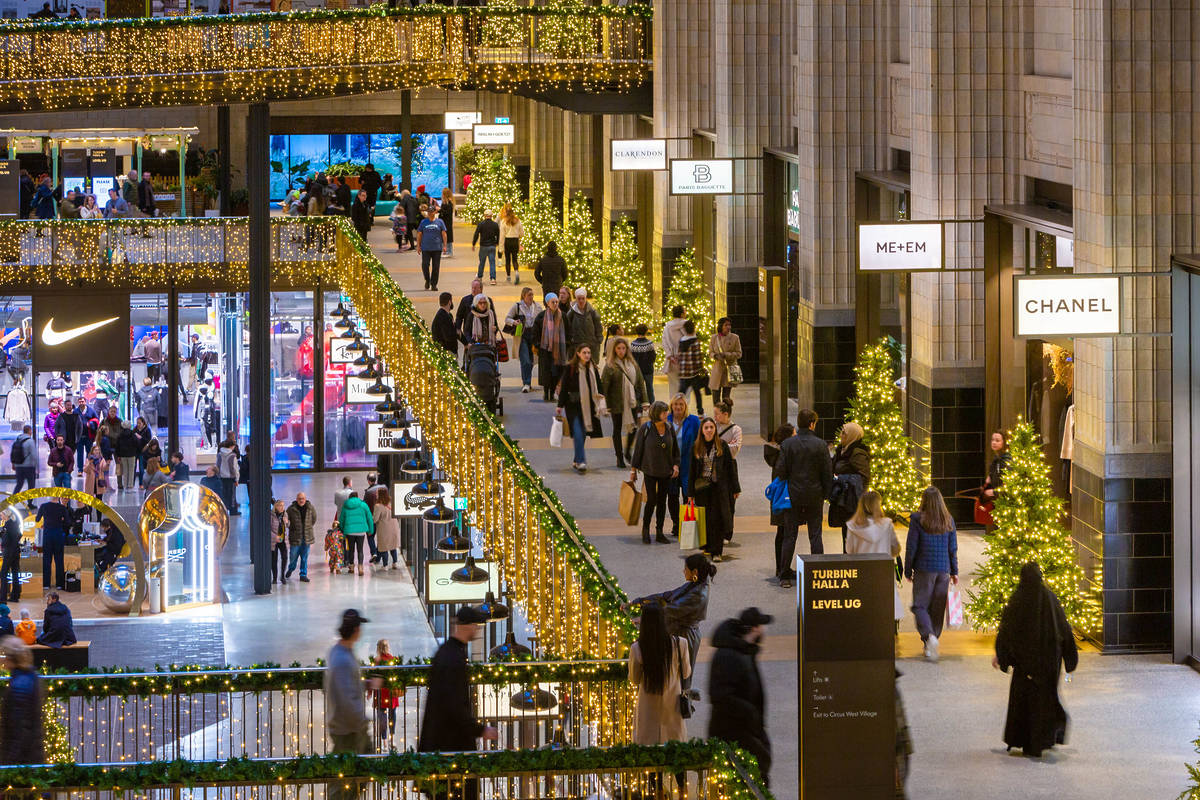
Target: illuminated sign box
(704,176)
(338,354)
(356,389)
(379,438)
(462,120)
(900,247)
(494,134)
(405,505)
(440,587)
(639,154)
(1077,305)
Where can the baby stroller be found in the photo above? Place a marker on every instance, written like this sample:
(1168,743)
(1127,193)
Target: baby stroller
(483,370)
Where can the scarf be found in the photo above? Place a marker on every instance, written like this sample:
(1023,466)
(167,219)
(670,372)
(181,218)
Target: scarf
(554,337)
(482,325)
(708,460)
(587,393)
(628,368)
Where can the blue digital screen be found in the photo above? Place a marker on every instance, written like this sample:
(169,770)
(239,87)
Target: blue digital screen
(297,157)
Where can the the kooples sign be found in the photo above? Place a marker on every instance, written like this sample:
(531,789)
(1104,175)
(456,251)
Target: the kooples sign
(639,154)
(900,246)
(1080,305)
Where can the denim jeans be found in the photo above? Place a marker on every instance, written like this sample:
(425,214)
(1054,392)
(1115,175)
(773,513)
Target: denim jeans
(648,377)
(63,480)
(299,552)
(579,439)
(525,353)
(487,254)
(81,451)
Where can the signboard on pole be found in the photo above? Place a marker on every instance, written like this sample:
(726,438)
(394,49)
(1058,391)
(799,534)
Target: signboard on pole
(440,586)
(639,154)
(405,505)
(1074,305)
(703,176)
(900,246)
(847,682)
(494,134)
(462,120)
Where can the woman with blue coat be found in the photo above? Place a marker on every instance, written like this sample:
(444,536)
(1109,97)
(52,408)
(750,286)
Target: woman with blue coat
(686,427)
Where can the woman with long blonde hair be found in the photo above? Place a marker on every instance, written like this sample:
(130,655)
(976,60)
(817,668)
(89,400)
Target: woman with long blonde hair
(931,565)
(869,531)
(511,232)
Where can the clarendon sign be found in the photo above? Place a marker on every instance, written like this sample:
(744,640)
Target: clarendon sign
(900,246)
(639,154)
(1075,305)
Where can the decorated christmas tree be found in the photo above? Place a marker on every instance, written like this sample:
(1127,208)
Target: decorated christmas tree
(625,298)
(493,184)
(579,245)
(500,30)
(540,223)
(687,289)
(1029,527)
(895,473)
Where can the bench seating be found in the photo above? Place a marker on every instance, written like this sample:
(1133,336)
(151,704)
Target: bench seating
(73,656)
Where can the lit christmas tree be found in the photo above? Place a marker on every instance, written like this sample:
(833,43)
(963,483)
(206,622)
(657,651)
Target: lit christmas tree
(625,299)
(895,473)
(687,290)
(540,223)
(579,245)
(57,746)
(504,31)
(493,184)
(567,35)
(1029,527)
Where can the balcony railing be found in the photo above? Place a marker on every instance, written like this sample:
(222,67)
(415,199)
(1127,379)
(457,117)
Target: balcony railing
(313,54)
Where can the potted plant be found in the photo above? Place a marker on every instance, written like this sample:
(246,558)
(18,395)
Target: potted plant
(239,202)
(348,171)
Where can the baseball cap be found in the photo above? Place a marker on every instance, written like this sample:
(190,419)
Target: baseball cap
(351,617)
(471,615)
(752,617)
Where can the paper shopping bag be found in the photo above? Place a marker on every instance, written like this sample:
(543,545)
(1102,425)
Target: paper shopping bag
(630,503)
(954,607)
(556,432)
(689,533)
(701,529)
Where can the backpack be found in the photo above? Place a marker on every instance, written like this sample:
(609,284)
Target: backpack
(18,448)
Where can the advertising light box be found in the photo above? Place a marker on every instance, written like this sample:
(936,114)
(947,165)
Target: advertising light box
(704,176)
(1077,305)
(494,134)
(338,354)
(356,389)
(900,247)
(639,154)
(379,438)
(441,587)
(404,504)
(462,120)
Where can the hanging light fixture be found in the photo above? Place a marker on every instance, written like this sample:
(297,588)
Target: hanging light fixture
(349,329)
(429,489)
(495,610)
(378,388)
(469,573)
(365,359)
(388,406)
(415,469)
(372,370)
(357,345)
(535,698)
(511,648)
(340,311)
(404,444)
(453,543)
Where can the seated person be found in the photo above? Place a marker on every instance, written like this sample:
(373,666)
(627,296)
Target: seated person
(26,629)
(6,623)
(114,543)
(211,481)
(58,630)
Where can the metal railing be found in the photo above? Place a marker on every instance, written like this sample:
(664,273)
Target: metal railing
(307,55)
(280,712)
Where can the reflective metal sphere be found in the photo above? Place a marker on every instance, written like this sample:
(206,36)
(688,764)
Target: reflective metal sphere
(117,588)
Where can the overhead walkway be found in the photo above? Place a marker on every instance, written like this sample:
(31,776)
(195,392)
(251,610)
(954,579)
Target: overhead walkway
(307,55)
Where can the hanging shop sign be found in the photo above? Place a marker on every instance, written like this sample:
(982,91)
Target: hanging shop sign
(10,176)
(357,389)
(26,144)
(442,587)
(1076,305)
(900,246)
(793,204)
(379,438)
(847,683)
(494,134)
(405,504)
(462,120)
(338,354)
(705,176)
(639,154)
(70,335)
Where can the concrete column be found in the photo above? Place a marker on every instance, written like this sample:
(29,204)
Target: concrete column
(258,181)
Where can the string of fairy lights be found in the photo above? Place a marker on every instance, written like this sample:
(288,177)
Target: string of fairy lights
(260,57)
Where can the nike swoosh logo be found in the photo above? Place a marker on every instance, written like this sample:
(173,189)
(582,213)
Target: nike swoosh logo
(53,337)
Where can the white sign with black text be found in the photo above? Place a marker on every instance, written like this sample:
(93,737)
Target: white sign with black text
(404,505)
(639,154)
(1079,305)
(356,389)
(707,176)
(494,134)
(379,438)
(440,586)
(900,246)
(462,120)
(338,354)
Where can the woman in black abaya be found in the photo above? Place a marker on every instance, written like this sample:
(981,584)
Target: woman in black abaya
(1035,641)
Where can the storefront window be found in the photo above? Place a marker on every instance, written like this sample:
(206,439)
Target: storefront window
(148,335)
(345,425)
(292,390)
(15,375)
(214,362)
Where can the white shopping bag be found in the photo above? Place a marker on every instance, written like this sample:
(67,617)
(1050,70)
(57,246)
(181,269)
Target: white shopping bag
(556,433)
(954,607)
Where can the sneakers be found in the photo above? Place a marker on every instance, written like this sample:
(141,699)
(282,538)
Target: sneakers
(517,278)
(579,467)
(525,389)
(931,648)
(508,278)
(493,281)
(303,579)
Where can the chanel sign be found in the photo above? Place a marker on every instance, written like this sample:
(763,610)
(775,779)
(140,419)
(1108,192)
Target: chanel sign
(1076,305)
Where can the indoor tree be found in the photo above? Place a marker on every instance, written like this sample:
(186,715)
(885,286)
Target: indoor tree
(579,245)
(1028,521)
(686,288)
(493,183)
(625,299)
(540,223)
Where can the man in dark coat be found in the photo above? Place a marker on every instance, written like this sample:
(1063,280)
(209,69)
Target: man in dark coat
(735,687)
(1036,641)
(442,326)
(56,520)
(805,464)
(551,270)
(10,539)
(58,629)
(369,181)
(449,722)
(22,739)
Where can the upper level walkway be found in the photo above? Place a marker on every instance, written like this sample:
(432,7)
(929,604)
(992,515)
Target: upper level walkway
(124,63)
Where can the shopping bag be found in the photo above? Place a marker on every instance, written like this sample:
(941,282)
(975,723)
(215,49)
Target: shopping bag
(689,533)
(954,607)
(983,512)
(701,530)
(631,503)
(501,350)
(556,432)
(735,374)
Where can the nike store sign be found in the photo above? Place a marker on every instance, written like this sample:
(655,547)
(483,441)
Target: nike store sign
(81,331)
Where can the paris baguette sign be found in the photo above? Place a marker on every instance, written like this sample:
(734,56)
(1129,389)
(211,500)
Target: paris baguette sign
(1075,305)
(900,247)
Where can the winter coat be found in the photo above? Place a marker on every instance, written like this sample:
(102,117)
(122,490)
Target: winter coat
(725,352)
(551,273)
(95,471)
(804,463)
(570,404)
(449,723)
(301,521)
(655,454)
(387,528)
(61,459)
(227,463)
(612,386)
(658,720)
(443,330)
(279,526)
(21,723)
(735,689)
(876,537)
(355,517)
(717,497)
(57,628)
(685,608)
(127,444)
(686,437)
(855,460)
(583,327)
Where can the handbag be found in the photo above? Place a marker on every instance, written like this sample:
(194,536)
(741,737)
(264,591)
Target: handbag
(686,707)
(501,350)
(556,432)
(735,374)
(689,533)
(630,503)
(983,511)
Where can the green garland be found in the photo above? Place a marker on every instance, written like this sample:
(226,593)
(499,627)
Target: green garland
(670,757)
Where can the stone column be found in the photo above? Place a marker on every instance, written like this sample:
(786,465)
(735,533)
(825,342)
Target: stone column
(577,156)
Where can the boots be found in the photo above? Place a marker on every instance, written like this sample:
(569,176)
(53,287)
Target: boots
(645,536)
(620,456)
(658,537)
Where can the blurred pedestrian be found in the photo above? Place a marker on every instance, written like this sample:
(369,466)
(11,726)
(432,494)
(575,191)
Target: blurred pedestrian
(931,565)
(735,687)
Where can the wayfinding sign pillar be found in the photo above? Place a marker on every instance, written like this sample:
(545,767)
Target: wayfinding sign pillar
(847,662)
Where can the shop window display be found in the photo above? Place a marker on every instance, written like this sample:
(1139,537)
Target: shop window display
(213,353)
(345,425)
(293,349)
(16,351)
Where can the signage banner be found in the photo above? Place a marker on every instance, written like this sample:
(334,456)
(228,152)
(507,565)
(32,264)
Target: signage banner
(440,587)
(403,505)
(847,683)
(639,154)
(10,176)
(338,354)
(462,120)
(103,162)
(494,134)
(356,389)
(1076,305)
(705,176)
(379,438)
(70,334)
(900,246)
(793,204)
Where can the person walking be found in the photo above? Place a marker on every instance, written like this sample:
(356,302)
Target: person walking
(713,485)
(22,736)
(931,565)
(227,471)
(725,349)
(551,270)
(624,392)
(143,435)
(583,324)
(1036,642)
(442,326)
(852,459)
(412,216)
(656,456)
(356,522)
(43,201)
(449,723)
(580,403)
(446,215)
(685,606)
(56,519)
(95,474)
(345,696)
(339,497)
(805,465)
(519,323)
(386,700)
(511,232)
(464,306)
(480,323)
(361,215)
(672,333)
(301,525)
(70,426)
(549,335)
(126,450)
(10,568)
(659,666)
(279,542)
(686,427)
(370,181)
(735,687)
(387,529)
(487,236)
(643,352)
(434,241)
(690,361)
(24,460)
(869,531)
